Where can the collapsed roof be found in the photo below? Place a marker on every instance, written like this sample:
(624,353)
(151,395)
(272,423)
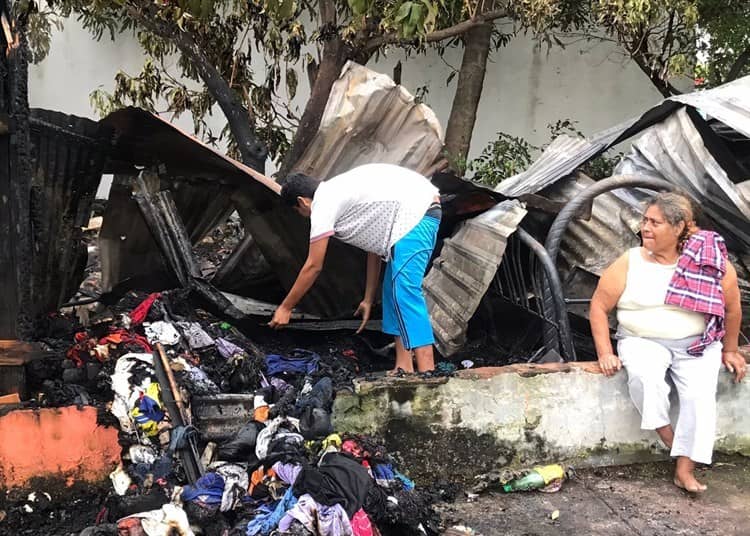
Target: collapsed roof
(698,142)
(165,178)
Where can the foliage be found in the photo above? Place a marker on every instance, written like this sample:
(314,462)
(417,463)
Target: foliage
(502,158)
(248,56)
(509,155)
(257,47)
(40,24)
(705,40)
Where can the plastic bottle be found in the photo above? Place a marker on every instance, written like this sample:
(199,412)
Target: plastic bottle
(538,478)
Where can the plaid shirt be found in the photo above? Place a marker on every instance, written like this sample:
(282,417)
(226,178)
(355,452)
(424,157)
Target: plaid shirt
(696,285)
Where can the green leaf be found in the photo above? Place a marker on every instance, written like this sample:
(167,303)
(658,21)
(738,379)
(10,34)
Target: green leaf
(291,82)
(416,18)
(431,17)
(403,11)
(287,9)
(358,7)
(207,9)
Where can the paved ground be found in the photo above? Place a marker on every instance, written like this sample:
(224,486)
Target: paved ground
(634,500)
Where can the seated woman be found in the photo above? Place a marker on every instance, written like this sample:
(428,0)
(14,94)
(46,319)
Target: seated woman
(678,313)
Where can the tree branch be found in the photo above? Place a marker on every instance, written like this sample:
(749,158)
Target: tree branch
(739,64)
(438,35)
(662,85)
(252,150)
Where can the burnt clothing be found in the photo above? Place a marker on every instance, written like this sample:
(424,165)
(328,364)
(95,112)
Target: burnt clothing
(338,480)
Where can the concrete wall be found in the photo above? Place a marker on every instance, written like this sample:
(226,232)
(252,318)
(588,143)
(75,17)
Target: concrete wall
(60,443)
(526,86)
(520,415)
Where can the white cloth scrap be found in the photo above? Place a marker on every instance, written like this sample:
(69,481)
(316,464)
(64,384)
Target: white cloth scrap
(162,332)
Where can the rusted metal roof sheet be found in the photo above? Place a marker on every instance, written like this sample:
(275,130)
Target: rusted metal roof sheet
(143,139)
(462,273)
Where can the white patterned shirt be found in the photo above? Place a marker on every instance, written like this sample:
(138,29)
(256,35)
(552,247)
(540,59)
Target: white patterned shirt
(371,206)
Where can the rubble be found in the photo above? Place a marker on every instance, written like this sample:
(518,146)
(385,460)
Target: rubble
(225,427)
(156,406)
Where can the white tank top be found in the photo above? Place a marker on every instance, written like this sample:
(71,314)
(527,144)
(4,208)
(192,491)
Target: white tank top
(641,311)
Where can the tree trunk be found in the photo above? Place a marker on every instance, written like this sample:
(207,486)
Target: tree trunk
(252,150)
(468,92)
(333,58)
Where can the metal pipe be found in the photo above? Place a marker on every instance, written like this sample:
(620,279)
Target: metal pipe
(564,217)
(172,383)
(553,279)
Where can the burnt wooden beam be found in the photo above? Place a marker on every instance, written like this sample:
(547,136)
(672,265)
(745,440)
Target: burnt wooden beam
(4,124)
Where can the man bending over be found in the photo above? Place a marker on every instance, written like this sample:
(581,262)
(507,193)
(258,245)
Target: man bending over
(393,214)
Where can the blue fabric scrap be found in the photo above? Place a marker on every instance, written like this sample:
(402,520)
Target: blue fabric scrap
(300,361)
(265,523)
(208,489)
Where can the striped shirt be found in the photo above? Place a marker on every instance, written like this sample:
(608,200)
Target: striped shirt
(696,285)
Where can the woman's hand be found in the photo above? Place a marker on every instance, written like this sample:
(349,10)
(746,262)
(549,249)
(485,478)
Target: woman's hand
(609,364)
(735,364)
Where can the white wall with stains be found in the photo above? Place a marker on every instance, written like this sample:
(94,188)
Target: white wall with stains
(526,86)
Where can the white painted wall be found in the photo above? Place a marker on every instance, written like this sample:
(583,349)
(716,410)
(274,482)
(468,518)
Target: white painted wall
(525,89)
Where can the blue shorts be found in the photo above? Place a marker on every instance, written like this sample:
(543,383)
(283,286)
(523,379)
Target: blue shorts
(404,308)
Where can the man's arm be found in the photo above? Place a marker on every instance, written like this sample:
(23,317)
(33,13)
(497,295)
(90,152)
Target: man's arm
(371,286)
(305,279)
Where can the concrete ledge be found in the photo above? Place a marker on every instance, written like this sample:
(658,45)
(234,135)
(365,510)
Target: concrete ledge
(60,443)
(518,415)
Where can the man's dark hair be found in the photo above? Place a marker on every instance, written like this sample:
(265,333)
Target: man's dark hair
(298,185)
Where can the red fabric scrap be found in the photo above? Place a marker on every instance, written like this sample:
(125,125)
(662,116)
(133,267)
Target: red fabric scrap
(122,336)
(138,315)
(81,348)
(361,525)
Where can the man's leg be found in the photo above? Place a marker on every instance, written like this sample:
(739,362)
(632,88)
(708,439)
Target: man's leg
(411,255)
(404,359)
(425,358)
(390,323)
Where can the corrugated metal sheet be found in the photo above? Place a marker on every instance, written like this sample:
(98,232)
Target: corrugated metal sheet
(729,103)
(462,273)
(68,155)
(202,182)
(594,243)
(560,159)
(369,118)
(674,150)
